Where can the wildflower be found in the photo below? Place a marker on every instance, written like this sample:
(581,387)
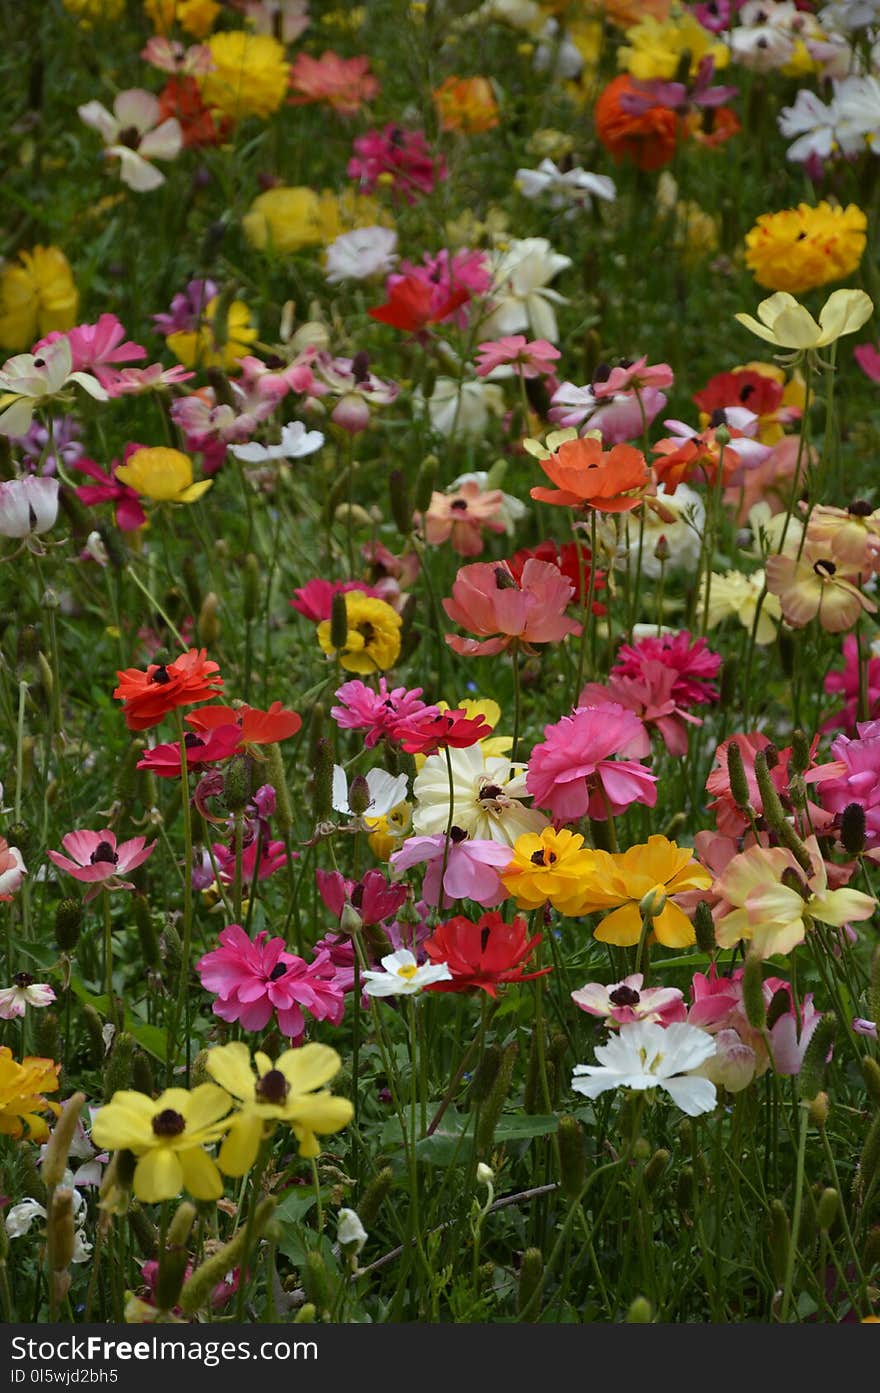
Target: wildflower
(628,1000)
(731,820)
(255,727)
(762,390)
(487,793)
(24,992)
(383,792)
(648,138)
(658,48)
(37,295)
(372,642)
(343,84)
(395,157)
(639,884)
(817,584)
(196,17)
(461,407)
(361,253)
(29,380)
(21,1089)
(168,1135)
(460,516)
(427,731)
(649,694)
(575,770)
(377,712)
(129,513)
(170,56)
(471,867)
(249,76)
(691,660)
(847,682)
(218,744)
(149,696)
(28,506)
(181,99)
(483,955)
(528,360)
(256,979)
(736,595)
(548,867)
(799,249)
(466,105)
(20,1217)
(618,418)
(447,272)
(573,189)
(12,871)
(187,308)
(573,560)
(216,342)
(691,455)
(588,477)
(296,443)
(135,134)
(355,388)
(97,860)
(165,476)
(785,323)
(402,976)
(372,896)
(350,1232)
(505,610)
(643,1055)
(289,1090)
(521,298)
(411,306)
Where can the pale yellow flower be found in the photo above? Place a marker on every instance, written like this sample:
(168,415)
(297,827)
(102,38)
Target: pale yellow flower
(783,321)
(736,596)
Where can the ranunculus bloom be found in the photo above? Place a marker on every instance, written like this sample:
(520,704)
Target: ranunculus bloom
(372,641)
(574,771)
(430,730)
(164,475)
(23,993)
(817,584)
(648,138)
(377,713)
(489,600)
(411,305)
(629,1000)
(784,322)
(535,359)
(483,955)
(730,821)
(97,860)
(459,517)
(257,978)
(12,870)
(639,883)
(343,84)
(372,896)
(249,76)
(860,781)
(472,868)
(255,727)
(209,748)
(37,295)
(28,506)
(466,105)
(585,476)
(129,512)
(396,156)
(149,696)
(549,867)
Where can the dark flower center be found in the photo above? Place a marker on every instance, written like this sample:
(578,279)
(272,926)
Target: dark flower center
(718,417)
(277,971)
(457,834)
(360,366)
(746,391)
(543,858)
(162,676)
(490,791)
(272,1087)
(192,741)
(130,137)
(104,852)
(602,373)
(624,996)
(825,569)
(459,504)
(168,1123)
(860,509)
(503,579)
(23,979)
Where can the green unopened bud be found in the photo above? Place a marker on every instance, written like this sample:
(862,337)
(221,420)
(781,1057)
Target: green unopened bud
(146,930)
(485,1074)
(704,927)
(197,1291)
(652,903)
(208,623)
(338,622)
(250,593)
(656,1169)
(818,1111)
(173,1260)
(640,1312)
(801,757)
(871,1075)
(572,1156)
(27,645)
(869,1161)
(68,923)
(278,780)
(375,1196)
(173,950)
(753,992)
(531,1277)
(359,797)
(19,834)
(722,435)
(316,1281)
(237,783)
(58,1145)
(307,1314)
(491,1109)
(350,922)
(322,791)
(142,1079)
(736,776)
(117,1072)
(852,829)
(779,1240)
(60,1230)
(400,502)
(425,481)
(815,1056)
(684,1190)
(95,1030)
(829,1205)
(429,380)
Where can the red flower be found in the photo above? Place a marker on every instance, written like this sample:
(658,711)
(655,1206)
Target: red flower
(431,730)
(149,696)
(220,743)
(410,305)
(565,558)
(255,727)
(648,138)
(181,98)
(485,955)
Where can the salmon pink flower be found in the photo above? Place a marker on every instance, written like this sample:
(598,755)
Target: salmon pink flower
(255,979)
(343,84)
(459,517)
(535,359)
(504,609)
(12,870)
(629,1000)
(97,860)
(613,481)
(149,696)
(483,955)
(573,560)
(471,867)
(575,770)
(650,696)
(729,820)
(688,455)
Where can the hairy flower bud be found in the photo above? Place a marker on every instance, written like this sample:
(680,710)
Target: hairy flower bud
(425,481)
(237,783)
(829,1205)
(736,774)
(338,622)
(375,1195)
(852,829)
(58,1145)
(531,1277)
(815,1057)
(753,993)
(491,1109)
(68,923)
(640,1312)
(572,1156)
(197,1291)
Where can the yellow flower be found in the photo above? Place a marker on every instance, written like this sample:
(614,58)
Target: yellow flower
(801,248)
(640,882)
(736,596)
(164,475)
(37,296)
(216,343)
(655,48)
(90,12)
(816,581)
(785,323)
(21,1089)
(343,212)
(466,104)
(284,220)
(290,1090)
(196,17)
(387,832)
(372,643)
(549,867)
(168,1135)
(250,75)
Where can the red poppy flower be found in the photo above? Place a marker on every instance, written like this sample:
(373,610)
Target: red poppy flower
(255,727)
(485,955)
(149,696)
(215,745)
(181,98)
(430,730)
(743,387)
(410,305)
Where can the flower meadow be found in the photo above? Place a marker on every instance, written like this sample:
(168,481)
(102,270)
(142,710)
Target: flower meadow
(440,663)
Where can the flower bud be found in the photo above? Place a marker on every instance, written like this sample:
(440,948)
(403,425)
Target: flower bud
(815,1057)
(800,759)
(485,1074)
(661,550)
(173,949)
(68,923)
(818,1111)
(208,624)
(174,1257)
(852,829)
(829,1204)
(425,481)
(704,927)
(58,1145)
(531,1277)
(322,791)
(338,622)
(117,1073)
(652,903)
(359,795)
(572,1156)
(871,1252)
(316,1281)
(350,1232)
(18,834)
(95,1030)
(871,1075)
(197,1291)
(736,775)
(237,784)
(306,1315)
(278,779)
(60,1230)
(640,1312)
(656,1169)
(375,1195)
(491,1109)
(753,992)
(722,435)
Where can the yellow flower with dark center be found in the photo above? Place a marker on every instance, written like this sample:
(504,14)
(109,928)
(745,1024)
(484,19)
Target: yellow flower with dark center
(21,1094)
(249,77)
(164,475)
(372,643)
(37,296)
(290,1090)
(550,867)
(800,248)
(219,341)
(640,882)
(168,1135)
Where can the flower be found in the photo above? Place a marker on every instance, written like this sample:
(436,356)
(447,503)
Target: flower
(29,380)
(411,305)
(801,248)
(290,1090)
(521,300)
(28,506)
(736,595)
(628,1000)
(460,516)
(215,342)
(372,896)
(296,443)
(397,158)
(548,867)
(648,137)
(344,84)
(638,884)
(149,696)
(466,105)
(644,1055)
(382,790)
(487,793)
(21,1089)
(12,870)
(402,976)
(691,660)
(661,48)
(24,992)
(372,641)
(164,760)
(447,272)
(471,867)
(20,1217)
(859,782)
(730,820)
(588,477)
(534,359)
(573,189)
(848,682)
(462,407)
(430,730)
(361,253)
(257,978)
(181,99)
(507,610)
(165,476)
(97,860)
(817,584)
(377,712)
(255,727)
(574,770)
(135,134)
(196,17)
(785,323)
(170,56)
(168,1135)
(249,76)
(350,1232)
(37,294)
(483,955)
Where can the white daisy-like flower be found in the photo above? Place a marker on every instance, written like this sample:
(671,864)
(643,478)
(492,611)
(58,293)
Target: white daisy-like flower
(135,135)
(364,252)
(386,791)
(521,297)
(646,1056)
(813,122)
(402,976)
(487,793)
(296,442)
(573,186)
(20,1218)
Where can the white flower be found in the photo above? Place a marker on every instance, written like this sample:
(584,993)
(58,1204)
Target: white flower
(367,251)
(350,1232)
(683,534)
(813,122)
(134,135)
(95,549)
(644,1055)
(385,790)
(486,793)
(511,510)
(32,378)
(24,992)
(857,102)
(520,296)
(462,407)
(12,869)
(485,1174)
(558,50)
(574,186)
(296,442)
(28,506)
(845,15)
(402,976)
(21,1216)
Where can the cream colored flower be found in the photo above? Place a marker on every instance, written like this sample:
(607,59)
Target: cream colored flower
(735,595)
(486,790)
(785,323)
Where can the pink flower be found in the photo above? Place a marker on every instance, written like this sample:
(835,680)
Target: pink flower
(692,662)
(402,154)
(256,979)
(372,896)
(632,378)
(446,274)
(533,359)
(94,346)
(343,83)
(650,696)
(378,713)
(209,428)
(626,1001)
(575,772)
(471,867)
(728,818)
(273,855)
(460,516)
(860,781)
(868,358)
(130,513)
(187,308)
(169,56)
(23,993)
(133,381)
(619,418)
(12,870)
(490,601)
(98,861)
(847,682)
(718,1006)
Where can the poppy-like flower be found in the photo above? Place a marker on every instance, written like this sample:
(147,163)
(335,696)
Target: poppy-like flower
(23,993)
(521,298)
(289,1090)
(168,1135)
(171,56)
(586,476)
(181,99)
(249,76)
(696,456)
(149,696)
(361,253)
(466,105)
(461,406)
(12,871)
(691,660)
(628,1000)
(649,695)
(377,713)
(195,17)
(257,978)
(483,955)
(296,442)
(573,188)
(644,1055)
(411,305)
(847,683)
(784,322)
(162,474)
(37,294)
(29,380)
(343,84)
(618,418)
(860,780)
(135,134)
(648,137)
(432,729)
(505,610)
(97,860)
(659,48)
(471,867)
(460,516)
(396,157)
(802,248)
(639,884)
(817,584)
(401,975)
(355,388)
(215,343)
(255,727)
(575,770)
(21,1089)
(372,641)
(535,359)
(372,896)
(273,856)
(28,506)
(762,390)
(735,595)
(573,560)
(487,793)
(549,867)
(215,745)
(446,272)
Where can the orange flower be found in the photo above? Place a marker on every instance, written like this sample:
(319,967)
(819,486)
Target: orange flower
(649,139)
(149,696)
(586,476)
(257,727)
(712,126)
(466,104)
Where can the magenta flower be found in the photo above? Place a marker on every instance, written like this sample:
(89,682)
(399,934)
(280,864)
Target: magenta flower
(860,781)
(96,346)
(187,308)
(373,898)
(273,855)
(626,1001)
(489,600)
(472,867)
(847,683)
(314,600)
(533,359)
(575,772)
(692,662)
(255,979)
(402,154)
(130,514)
(95,859)
(868,358)
(378,713)
(445,273)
